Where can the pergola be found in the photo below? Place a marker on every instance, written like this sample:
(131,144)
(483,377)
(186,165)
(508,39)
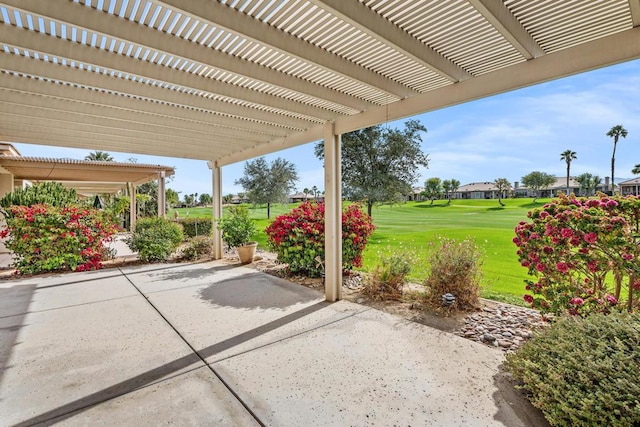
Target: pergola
(88,178)
(228,80)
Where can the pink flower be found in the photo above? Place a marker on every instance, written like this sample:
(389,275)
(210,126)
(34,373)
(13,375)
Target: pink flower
(590,237)
(543,215)
(612,203)
(540,267)
(593,266)
(577,301)
(628,257)
(525,263)
(528,298)
(566,233)
(611,299)
(562,267)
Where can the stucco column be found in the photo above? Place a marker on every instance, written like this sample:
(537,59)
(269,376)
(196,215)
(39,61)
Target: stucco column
(332,214)
(162,196)
(216,196)
(133,208)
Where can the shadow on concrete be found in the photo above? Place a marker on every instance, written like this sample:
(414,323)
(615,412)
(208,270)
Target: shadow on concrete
(189,272)
(256,291)
(161,372)
(14,305)
(511,401)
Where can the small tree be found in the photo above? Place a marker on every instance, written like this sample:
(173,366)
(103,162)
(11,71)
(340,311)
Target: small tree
(205,199)
(568,156)
(378,162)
(172,197)
(227,198)
(615,132)
(432,189)
(266,183)
(502,185)
(450,186)
(636,170)
(588,183)
(538,181)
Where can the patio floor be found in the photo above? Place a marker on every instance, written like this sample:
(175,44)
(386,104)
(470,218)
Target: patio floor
(217,344)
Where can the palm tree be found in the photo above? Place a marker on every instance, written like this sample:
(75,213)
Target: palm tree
(615,132)
(99,156)
(636,169)
(568,156)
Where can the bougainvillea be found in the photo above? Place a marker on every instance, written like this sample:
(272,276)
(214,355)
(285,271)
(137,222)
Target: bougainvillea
(46,238)
(298,237)
(584,254)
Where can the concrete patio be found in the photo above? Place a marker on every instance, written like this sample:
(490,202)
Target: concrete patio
(214,344)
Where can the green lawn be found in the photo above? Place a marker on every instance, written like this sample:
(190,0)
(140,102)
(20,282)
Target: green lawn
(414,226)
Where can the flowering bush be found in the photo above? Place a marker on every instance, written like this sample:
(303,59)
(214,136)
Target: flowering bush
(46,238)
(583,252)
(298,237)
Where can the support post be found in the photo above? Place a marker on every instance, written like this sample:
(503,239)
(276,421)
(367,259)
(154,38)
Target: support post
(133,208)
(332,214)
(162,196)
(216,196)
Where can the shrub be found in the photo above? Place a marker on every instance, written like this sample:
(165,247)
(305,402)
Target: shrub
(44,193)
(193,227)
(455,268)
(237,227)
(298,237)
(583,252)
(155,239)
(584,372)
(47,238)
(389,277)
(198,247)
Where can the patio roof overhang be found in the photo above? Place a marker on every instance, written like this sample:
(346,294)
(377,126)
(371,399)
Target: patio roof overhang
(87,177)
(229,80)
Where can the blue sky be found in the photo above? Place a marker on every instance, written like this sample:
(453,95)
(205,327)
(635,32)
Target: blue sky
(504,136)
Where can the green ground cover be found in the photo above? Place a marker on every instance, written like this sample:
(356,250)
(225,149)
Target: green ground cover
(414,226)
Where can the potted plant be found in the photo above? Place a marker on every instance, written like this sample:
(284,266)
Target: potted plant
(237,228)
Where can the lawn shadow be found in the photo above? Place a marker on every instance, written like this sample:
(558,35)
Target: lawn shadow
(435,205)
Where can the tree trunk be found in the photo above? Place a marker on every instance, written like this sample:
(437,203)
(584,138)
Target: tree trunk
(632,280)
(370,208)
(613,162)
(268,210)
(568,168)
(432,199)
(500,201)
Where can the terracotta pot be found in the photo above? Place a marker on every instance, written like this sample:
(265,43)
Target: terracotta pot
(246,252)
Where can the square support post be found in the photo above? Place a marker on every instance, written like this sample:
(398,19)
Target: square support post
(162,196)
(216,196)
(133,208)
(332,214)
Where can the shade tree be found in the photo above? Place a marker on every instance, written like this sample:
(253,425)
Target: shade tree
(502,185)
(538,181)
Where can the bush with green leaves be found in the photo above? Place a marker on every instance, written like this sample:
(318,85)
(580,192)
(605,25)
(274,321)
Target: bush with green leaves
(155,239)
(455,268)
(45,193)
(389,277)
(198,247)
(298,237)
(583,371)
(237,226)
(192,227)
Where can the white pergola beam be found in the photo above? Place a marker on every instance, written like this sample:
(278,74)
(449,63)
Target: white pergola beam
(613,49)
(57,72)
(369,22)
(109,25)
(634,5)
(74,112)
(134,107)
(223,16)
(46,45)
(91,141)
(501,18)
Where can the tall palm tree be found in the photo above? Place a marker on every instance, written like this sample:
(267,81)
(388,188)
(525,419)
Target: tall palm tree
(568,156)
(615,132)
(636,169)
(99,156)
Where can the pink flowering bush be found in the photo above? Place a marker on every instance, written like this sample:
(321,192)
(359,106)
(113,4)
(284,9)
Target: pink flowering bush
(584,254)
(46,238)
(298,237)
